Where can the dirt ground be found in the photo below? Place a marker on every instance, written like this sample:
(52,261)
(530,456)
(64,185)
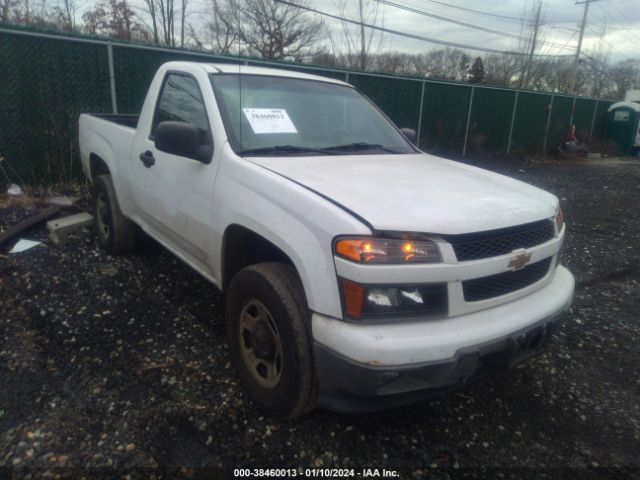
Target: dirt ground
(115,366)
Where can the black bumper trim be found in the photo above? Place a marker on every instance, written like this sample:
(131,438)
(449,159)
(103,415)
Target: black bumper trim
(352,387)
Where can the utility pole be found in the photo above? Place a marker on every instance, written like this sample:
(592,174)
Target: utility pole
(576,60)
(536,27)
(363,47)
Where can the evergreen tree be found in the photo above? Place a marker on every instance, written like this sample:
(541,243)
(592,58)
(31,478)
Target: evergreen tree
(476,72)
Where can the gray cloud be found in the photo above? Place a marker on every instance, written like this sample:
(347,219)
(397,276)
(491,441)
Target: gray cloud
(561,19)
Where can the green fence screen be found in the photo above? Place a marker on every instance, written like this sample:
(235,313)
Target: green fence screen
(601,116)
(45,85)
(559,121)
(396,97)
(583,117)
(530,122)
(444,117)
(490,121)
(134,69)
(48,79)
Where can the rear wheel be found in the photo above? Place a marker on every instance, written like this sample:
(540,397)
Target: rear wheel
(116,233)
(267,327)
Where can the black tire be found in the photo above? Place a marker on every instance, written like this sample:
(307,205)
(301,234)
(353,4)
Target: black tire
(278,287)
(116,233)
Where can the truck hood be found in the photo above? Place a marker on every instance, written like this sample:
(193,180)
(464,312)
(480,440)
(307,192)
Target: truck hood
(417,192)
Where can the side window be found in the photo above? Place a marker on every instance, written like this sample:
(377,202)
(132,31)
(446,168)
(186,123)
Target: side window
(181,101)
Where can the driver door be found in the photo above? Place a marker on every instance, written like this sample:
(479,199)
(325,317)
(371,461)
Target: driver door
(173,193)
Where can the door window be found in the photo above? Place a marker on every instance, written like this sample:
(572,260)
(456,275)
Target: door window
(181,101)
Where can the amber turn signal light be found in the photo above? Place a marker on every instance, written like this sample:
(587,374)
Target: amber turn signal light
(387,250)
(559,219)
(353,295)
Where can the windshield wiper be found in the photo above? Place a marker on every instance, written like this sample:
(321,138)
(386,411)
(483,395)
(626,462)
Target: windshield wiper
(360,146)
(284,149)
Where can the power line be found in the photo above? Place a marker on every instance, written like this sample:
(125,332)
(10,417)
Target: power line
(447,19)
(410,35)
(609,28)
(628,35)
(622,14)
(571,37)
(604,67)
(546,48)
(461,23)
(505,17)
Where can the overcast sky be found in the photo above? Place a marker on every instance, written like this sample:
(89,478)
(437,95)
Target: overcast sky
(561,20)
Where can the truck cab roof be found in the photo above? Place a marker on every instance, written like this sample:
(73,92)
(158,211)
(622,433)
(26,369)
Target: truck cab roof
(218,68)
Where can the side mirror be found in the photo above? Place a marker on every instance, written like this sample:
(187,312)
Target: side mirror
(410,134)
(183,139)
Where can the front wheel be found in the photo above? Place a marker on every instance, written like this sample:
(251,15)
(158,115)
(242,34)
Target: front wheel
(266,319)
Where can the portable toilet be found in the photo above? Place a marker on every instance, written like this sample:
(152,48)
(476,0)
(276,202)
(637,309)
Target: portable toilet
(622,126)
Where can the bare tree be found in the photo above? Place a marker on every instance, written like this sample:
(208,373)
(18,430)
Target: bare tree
(67,11)
(151,10)
(166,9)
(595,66)
(219,34)
(221,26)
(554,75)
(531,35)
(357,43)
(183,17)
(114,18)
(8,10)
(447,63)
(501,69)
(27,12)
(327,59)
(394,62)
(162,14)
(625,75)
(273,30)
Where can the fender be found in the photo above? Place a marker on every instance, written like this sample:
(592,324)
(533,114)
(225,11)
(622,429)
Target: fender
(296,220)
(97,142)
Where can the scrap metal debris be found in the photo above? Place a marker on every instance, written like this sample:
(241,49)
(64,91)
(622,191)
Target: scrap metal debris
(30,222)
(24,244)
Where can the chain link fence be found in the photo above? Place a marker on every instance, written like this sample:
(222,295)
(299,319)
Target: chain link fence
(48,79)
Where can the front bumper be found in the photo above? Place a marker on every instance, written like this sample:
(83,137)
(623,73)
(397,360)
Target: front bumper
(454,351)
(350,387)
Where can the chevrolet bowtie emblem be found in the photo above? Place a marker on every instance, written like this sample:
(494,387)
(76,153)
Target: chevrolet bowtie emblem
(520,259)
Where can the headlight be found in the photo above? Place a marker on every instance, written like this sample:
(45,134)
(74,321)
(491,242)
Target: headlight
(559,219)
(368,302)
(386,250)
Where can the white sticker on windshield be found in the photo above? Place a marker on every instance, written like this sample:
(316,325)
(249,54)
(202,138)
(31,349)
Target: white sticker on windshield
(269,120)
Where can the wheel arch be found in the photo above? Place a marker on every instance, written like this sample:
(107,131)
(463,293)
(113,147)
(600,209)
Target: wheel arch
(242,247)
(97,166)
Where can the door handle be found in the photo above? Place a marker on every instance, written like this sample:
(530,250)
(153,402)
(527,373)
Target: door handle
(147,159)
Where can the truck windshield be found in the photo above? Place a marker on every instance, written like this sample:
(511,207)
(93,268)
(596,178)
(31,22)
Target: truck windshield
(269,115)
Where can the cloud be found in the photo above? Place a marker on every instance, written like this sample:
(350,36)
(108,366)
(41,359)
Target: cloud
(560,18)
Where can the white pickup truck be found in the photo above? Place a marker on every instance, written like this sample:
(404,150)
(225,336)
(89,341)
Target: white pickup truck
(359,272)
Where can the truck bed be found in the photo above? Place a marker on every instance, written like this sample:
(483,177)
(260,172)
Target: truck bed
(130,121)
(109,136)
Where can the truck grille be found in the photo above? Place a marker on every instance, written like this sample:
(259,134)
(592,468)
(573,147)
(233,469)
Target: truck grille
(503,283)
(473,246)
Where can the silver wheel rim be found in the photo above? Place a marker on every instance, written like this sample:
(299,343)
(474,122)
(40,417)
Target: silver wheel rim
(102,213)
(260,344)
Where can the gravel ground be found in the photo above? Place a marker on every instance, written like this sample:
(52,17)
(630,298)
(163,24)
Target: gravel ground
(118,365)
